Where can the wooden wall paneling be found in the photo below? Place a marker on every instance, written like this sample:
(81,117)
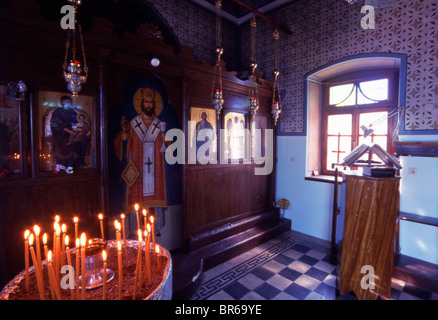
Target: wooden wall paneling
(213,195)
(240,192)
(36,197)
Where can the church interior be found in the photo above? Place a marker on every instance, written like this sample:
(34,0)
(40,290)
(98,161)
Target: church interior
(264,149)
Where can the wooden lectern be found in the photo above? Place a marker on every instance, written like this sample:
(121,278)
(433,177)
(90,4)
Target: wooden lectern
(371,211)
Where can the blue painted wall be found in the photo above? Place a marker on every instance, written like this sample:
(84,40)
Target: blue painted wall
(312,202)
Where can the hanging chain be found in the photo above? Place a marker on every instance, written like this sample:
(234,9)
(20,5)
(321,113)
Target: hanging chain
(276,99)
(67,47)
(253,44)
(253,90)
(276,70)
(217,95)
(83,51)
(218,24)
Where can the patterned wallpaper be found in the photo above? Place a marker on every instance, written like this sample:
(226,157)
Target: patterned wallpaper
(196,28)
(324,33)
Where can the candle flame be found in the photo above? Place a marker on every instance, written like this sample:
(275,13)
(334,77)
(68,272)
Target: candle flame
(122,216)
(56,218)
(26,234)
(157,248)
(45,238)
(119,246)
(66,241)
(117,225)
(148,227)
(75,219)
(49,256)
(136,206)
(104,255)
(31,239)
(36,229)
(144,212)
(151,218)
(83,240)
(57,229)
(100,216)
(145,234)
(64,228)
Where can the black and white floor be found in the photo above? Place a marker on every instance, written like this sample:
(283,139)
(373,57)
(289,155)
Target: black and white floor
(289,267)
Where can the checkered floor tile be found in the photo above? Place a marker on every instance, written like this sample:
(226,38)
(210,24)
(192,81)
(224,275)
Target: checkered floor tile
(286,268)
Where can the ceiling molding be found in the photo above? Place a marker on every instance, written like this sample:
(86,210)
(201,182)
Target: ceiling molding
(239,20)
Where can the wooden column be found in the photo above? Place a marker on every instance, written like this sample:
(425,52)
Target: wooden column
(369,230)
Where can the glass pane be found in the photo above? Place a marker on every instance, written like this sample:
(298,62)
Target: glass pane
(381,141)
(337,149)
(258,146)
(203,130)
(9,132)
(372,91)
(66,131)
(339,124)
(377,120)
(235,135)
(343,95)
(332,146)
(345,147)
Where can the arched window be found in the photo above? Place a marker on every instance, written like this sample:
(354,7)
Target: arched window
(344,98)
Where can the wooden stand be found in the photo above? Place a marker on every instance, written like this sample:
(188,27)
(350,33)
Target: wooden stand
(370,220)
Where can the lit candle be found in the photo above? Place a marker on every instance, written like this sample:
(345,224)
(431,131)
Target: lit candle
(67,249)
(36,268)
(119,258)
(52,279)
(57,253)
(124,236)
(101,225)
(45,250)
(138,273)
(145,218)
(26,256)
(77,268)
(136,206)
(76,220)
(117,227)
(148,229)
(147,256)
(83,244)
(45,245)
(104,274)
(54,250)
(36,230)
(157,251)
(63,231)
(153,233)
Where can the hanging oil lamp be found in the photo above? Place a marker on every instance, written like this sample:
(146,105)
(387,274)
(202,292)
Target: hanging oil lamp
(276,99)
(253,90)
(75,73)
(217,94)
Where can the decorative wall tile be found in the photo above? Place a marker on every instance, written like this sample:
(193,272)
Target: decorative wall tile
(330,30)
(324,31)
(196,28)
